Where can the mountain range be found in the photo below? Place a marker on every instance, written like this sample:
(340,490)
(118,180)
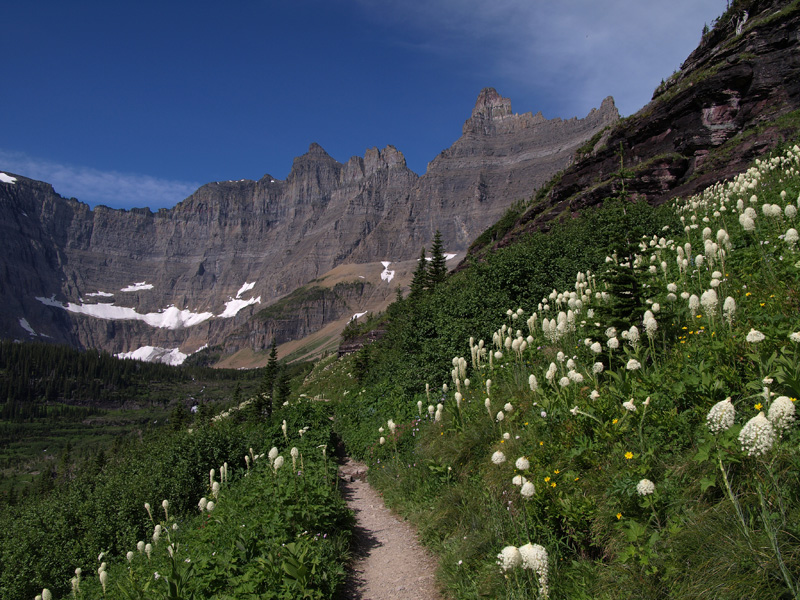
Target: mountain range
(224,266)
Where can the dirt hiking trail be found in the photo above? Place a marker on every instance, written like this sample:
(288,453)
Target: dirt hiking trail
(390,563)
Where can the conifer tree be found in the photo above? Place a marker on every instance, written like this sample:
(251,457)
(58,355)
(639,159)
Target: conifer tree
(420,280)
(263,403)
(282,387)
(437,270)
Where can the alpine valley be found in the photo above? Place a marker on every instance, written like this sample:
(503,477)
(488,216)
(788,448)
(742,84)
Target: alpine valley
(239,263)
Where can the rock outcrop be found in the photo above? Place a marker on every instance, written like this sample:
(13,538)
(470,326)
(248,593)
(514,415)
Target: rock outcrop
(196,274)
(735,97)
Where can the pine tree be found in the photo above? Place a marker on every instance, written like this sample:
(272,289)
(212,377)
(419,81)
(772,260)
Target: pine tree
(282,387)
(437,270)
(263,403)
(420,280)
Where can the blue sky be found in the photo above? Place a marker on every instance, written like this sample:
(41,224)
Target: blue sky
(137,104)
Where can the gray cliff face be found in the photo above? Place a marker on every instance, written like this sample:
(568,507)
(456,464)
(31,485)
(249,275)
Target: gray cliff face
(191,262)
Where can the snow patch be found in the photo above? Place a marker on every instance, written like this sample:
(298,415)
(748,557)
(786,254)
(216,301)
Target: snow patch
(245,288)
(171,318)
(142,285)
(103,294)
(358,315)
(386,275)
(233,306)
(446,257)
(26,326)
(7,178)
(168,356)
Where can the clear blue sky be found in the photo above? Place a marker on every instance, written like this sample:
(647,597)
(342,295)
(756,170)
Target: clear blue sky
(137,104)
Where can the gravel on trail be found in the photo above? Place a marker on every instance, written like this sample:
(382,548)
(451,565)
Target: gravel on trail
(389,561)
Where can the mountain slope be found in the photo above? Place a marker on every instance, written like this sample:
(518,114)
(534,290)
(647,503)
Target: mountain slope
(192,275)
(734,98)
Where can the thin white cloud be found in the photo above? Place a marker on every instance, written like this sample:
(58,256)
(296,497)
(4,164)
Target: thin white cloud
(120,190)
(575,52)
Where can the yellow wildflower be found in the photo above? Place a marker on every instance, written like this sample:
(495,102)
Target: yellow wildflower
(628,455)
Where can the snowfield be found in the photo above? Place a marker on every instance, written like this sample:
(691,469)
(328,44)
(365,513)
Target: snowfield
(168,356)
(386,275)
(136,287)
(171,318)
(233,306)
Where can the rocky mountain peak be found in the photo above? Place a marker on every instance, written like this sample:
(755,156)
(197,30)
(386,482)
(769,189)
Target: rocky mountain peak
(490,109)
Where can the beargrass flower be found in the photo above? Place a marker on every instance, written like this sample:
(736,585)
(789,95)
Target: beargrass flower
(210,506)
(103,582)
(795,337)
(755,336)
(720,417)
(564,381)
(498,458)
(419,407)
(148,548)
(710,301)
(633,365)
(534,385)
(165,506)
(382,441)
(613,343)
(147,508)
(575,376)
(534,557)
(277,464)
(518,480)
(523,464)
(201,504)
(509,558)
(629,405)
(500,416)
(694,303)
(508,407)
(757,436)
(645,487)
(729,309)
(528,489)
(46,595)
(596,347)
(781,413)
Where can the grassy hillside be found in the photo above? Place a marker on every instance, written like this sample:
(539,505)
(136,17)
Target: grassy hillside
(627,418)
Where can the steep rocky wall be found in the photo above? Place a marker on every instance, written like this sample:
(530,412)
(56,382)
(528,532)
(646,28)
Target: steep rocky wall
(77,275)
(732,101)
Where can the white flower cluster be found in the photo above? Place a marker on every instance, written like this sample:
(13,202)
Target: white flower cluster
(757,436)
(534,557)
(720,417)
(754,336)
(645,487)
(498,458)
(781,413)
(509,558)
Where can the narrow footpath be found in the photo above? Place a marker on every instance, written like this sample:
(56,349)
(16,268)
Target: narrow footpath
(390,563)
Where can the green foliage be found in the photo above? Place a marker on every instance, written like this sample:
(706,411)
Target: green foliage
(437,269)
(718,522)
(419,282)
